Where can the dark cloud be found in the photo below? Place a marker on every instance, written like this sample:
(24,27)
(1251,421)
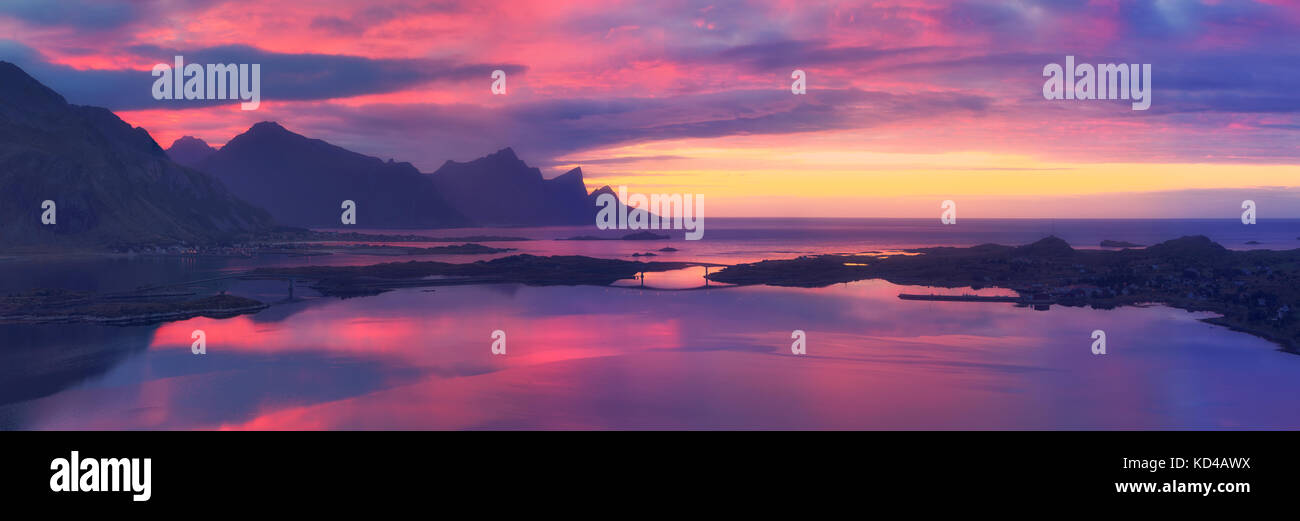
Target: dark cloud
(81,14)
(1148,21)
(984,16)
(293,77)
(337,25)
(96,15)
(358,22)
(1239,83)
(1215,64)
(1162,21)
(788,54)
(1244,82)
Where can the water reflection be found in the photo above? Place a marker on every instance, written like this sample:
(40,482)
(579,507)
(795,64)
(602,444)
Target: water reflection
(685,278)
(39,360)
(642,356)
(620,357)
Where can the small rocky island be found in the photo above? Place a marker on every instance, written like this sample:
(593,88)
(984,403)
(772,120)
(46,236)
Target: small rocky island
(634,236)
(1255,291)
(1118,244)
(450,249)
(45,306)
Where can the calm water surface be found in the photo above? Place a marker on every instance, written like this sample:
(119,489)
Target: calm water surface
(628,357)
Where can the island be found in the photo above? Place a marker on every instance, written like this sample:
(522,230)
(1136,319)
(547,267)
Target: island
(1118,244)
(1254,291)
(350,281)
(45,306)
(634,236)
(451,249)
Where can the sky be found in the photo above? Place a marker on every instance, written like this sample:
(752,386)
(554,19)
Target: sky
(908,103)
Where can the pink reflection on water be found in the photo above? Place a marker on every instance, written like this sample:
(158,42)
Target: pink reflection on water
(595,357)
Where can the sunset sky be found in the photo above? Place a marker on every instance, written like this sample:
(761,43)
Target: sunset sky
(909,102)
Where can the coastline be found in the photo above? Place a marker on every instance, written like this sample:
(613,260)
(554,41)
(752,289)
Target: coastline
(1253,291)
(1191,273)
(45,307)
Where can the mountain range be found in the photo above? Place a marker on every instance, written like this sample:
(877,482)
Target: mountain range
(303,181)
(501,190)
(112,185)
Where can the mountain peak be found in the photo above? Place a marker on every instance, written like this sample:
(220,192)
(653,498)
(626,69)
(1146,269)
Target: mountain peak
(267,126)
(114,185)
(20,90)
(189,141)
(301,181)
(501,162)
(270,134)
(1191,245)
(189,150)
(505,159)
(572,176)
(1050,246)
(501,189)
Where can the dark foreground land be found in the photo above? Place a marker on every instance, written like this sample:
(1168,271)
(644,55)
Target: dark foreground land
(151,306)
(42,306)
(298,241)
(1255,291)
(344,281)
(396,251)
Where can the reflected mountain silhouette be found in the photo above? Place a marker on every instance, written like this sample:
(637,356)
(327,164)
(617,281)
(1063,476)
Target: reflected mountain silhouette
(42,360)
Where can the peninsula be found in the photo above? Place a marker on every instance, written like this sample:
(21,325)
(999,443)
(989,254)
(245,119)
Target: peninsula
(1254,291)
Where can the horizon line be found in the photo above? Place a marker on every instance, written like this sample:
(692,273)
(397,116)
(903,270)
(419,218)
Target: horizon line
(896,218)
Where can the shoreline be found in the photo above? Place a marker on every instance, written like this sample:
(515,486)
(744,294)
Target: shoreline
(133,320)
(1252,291)
(52,307)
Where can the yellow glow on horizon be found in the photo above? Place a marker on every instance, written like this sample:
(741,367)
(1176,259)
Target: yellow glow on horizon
(728,170)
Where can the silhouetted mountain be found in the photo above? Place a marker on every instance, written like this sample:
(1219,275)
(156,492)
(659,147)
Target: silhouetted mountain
(189,150)
(1051,246)
(1195,246)
(567,194)
(595,194)
(500,189)
(304,181)
(112,184)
